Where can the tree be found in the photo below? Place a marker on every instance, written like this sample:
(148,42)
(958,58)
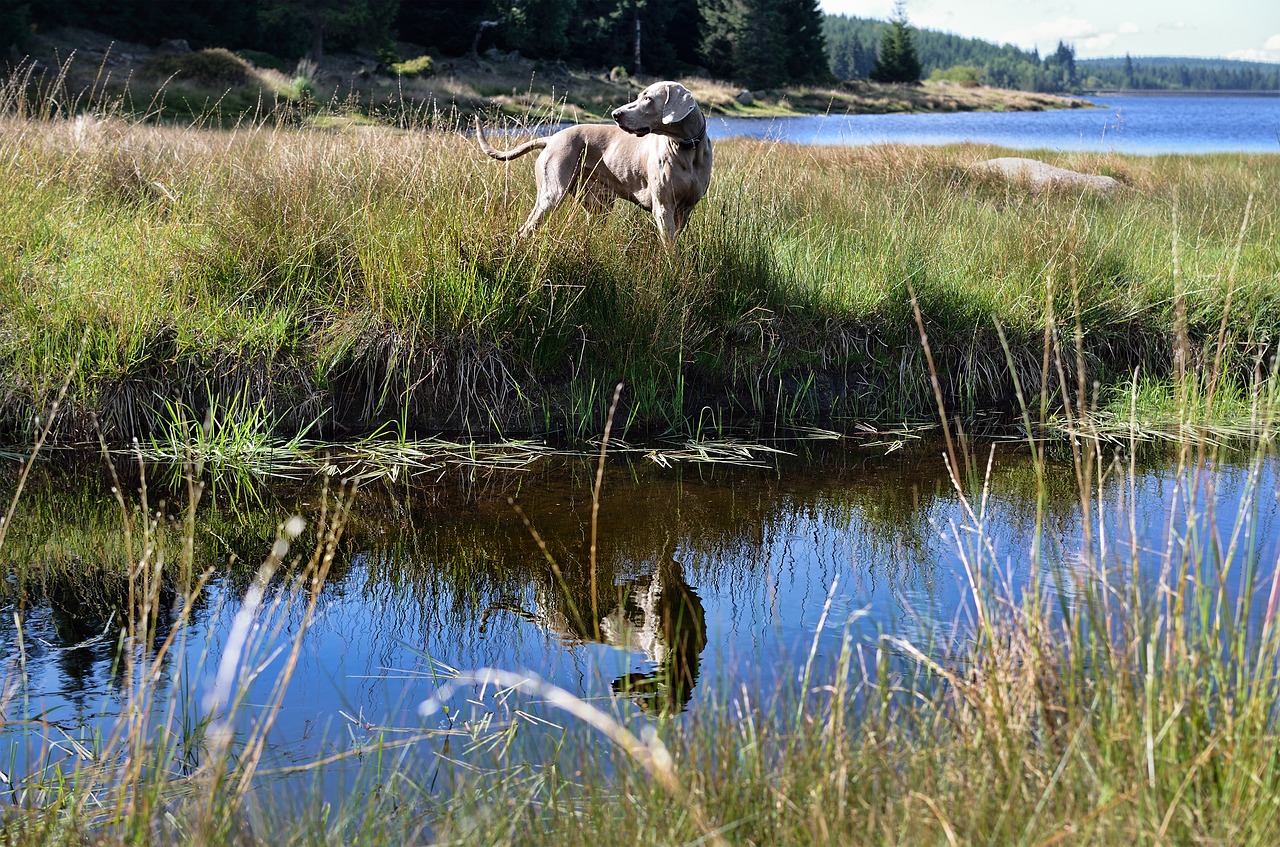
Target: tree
(805,47)
(538,28)
(345,22)
(15,18)
(606,34)
(764,43)
(1060,69)
(897,61)
(449,26)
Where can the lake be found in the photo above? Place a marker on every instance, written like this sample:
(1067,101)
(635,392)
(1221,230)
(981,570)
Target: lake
(710,577)
(1135,124)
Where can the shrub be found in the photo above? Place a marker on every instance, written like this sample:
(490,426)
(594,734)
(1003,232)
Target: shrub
(968,76)
(217,67)
(421,66)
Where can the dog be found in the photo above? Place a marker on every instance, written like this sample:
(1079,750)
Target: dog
(656,615)
(658,156)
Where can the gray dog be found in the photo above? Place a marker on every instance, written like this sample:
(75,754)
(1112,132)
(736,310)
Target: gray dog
(658,157)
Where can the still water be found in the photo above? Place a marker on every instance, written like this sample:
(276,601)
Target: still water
(709,578)
(1137,124)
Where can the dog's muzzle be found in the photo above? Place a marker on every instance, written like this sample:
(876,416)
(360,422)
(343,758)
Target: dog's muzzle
(619,117)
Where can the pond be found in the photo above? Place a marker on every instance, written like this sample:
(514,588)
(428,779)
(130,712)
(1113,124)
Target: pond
(708,577)
(1136,124)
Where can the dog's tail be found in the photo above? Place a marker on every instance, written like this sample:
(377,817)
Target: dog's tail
(507,155)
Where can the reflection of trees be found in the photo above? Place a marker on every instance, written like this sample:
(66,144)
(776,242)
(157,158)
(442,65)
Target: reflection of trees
(76,626)
(432,557)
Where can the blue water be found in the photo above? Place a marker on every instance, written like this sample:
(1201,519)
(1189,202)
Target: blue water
(1135,124)
(765,570)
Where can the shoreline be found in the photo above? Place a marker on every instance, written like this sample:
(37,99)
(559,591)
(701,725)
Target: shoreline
(222,87)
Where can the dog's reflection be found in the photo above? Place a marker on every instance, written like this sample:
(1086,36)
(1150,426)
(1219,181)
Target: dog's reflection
(657,614)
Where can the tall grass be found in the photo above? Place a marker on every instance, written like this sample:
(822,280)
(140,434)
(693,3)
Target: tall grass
(299,269)
(358,277)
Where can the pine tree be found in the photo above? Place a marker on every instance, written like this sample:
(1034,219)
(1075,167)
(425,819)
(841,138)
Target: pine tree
(764,43)
(15,19)
(538,28)
(897,61)
(805,44)
(1060,67)
(759,54)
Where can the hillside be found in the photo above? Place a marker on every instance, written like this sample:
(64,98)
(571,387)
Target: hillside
(851,48)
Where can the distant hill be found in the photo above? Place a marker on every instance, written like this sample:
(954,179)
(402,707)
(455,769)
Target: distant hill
(1179,72)
(852,41)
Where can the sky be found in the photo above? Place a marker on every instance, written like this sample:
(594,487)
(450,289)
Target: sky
(1232,29)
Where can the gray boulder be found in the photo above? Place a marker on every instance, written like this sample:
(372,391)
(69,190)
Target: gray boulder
(1042,176)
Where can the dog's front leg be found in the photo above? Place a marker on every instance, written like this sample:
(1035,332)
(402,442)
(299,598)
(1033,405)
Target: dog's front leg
(664,215)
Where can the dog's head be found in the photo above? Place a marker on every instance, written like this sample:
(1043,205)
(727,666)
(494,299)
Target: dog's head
(659,105)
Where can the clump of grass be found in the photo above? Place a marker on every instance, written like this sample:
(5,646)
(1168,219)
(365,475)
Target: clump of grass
(211,67)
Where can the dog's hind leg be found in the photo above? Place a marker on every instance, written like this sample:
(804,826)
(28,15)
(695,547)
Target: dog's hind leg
(551,193)
(545,205)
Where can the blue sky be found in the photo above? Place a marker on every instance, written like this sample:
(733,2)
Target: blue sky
(1235,29)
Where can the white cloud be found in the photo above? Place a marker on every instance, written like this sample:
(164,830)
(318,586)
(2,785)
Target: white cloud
(1088,38)
(1270,52)
(1252,55)
(1060,29)
(1097,44)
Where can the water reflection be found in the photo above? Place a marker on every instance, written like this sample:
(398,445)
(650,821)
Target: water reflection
(704,576)
(655,613)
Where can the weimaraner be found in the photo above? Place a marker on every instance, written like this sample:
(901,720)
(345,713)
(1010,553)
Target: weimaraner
(658,157)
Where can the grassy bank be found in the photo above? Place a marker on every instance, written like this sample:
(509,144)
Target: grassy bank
(359,277)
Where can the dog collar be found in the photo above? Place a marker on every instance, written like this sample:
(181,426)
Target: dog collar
(690,143)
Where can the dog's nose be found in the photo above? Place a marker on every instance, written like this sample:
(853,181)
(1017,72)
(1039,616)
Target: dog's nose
(615,113)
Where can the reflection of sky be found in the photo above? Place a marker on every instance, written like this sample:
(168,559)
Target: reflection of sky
(1145,125)
(763,593)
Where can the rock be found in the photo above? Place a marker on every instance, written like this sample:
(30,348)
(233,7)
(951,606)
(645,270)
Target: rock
(1042,176)
(746,98)
(175,45)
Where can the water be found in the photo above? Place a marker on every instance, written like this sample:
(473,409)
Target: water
(1136,124)
(709,579)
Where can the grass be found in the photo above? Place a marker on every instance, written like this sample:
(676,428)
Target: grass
(1109,702)
(365,277)
(303,277)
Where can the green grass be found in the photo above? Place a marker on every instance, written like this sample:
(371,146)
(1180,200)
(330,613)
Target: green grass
(363,276)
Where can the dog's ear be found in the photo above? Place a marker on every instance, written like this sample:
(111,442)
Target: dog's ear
(679,103)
